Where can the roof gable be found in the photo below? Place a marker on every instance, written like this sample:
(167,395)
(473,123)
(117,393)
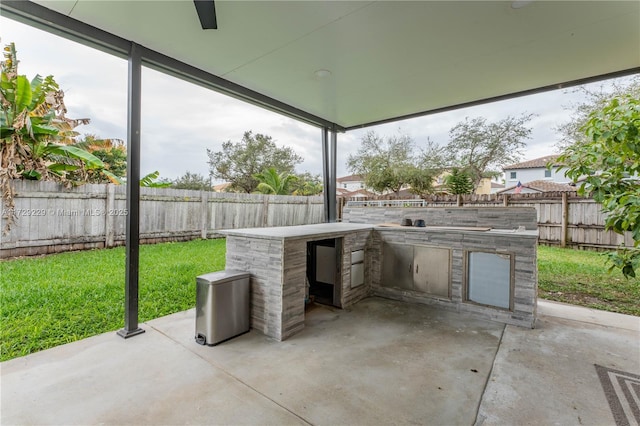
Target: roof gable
(350,178)
(543,186)
(536,163)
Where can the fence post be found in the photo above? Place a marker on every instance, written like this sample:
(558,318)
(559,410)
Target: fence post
(459,200)
(109,219)
(565,220)
(505,200)
(204,210)
(265,210)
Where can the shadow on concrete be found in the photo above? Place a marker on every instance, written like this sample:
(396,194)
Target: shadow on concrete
(379,362)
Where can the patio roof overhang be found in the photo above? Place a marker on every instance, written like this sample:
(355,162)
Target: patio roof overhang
(341,65)
(387,59)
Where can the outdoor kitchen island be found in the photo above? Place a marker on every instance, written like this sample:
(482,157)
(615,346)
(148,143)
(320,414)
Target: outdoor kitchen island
(277,259)
(489,272)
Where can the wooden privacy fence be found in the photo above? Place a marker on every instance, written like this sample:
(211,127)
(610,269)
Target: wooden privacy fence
(564,219)
(50,218)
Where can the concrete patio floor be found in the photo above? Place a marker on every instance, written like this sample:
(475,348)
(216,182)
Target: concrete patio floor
(379,362)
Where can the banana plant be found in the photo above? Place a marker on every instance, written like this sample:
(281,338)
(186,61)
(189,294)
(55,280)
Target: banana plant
(150,180)
(36,135)
(36,139)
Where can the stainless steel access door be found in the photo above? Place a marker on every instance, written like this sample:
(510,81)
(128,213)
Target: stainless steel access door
(326,264)
(397,266)
(431,270)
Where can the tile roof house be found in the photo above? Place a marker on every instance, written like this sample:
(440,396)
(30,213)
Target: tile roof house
(536,169)
(352,188)
(359,195)
(538,186)
(350,183)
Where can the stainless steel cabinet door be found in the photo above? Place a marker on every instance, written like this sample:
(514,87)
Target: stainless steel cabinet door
(397,266)
(431,270)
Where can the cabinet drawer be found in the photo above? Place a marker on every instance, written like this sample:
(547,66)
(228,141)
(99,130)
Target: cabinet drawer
(357,275)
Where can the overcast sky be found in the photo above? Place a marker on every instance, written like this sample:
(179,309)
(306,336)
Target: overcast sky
(181,120)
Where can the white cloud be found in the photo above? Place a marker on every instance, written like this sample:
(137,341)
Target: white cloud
(181,120)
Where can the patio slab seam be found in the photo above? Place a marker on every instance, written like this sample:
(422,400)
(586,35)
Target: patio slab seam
(486,383)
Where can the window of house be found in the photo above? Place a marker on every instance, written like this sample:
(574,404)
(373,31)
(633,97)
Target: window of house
(547,173)
(345,185)
(361,186)
(512,175)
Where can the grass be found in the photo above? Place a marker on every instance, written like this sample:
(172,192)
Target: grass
(581,278)
(51,300)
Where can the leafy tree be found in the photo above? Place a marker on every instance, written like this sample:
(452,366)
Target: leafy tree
(479,147)
(272,182)
(609,162)
(459,182)
(193,181)
(384,164)
(421,180)
(594,99)
(239,163)
(307,184)
(434,157)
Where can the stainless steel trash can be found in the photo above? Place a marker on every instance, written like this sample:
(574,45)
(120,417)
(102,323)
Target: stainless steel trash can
(222,306)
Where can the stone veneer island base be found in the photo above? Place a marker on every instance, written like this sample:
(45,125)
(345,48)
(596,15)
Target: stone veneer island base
(474,268)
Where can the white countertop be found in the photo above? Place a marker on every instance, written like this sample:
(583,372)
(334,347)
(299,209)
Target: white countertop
(323,229)
(298,231)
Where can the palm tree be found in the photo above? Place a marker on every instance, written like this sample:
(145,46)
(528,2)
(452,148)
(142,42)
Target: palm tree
(273,183)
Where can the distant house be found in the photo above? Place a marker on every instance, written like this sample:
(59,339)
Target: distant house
(537,187)
(359,195)
(353,186)
(223,187)
(488,186)
(350,183)
(485,186)
(496,187)
(403,194)
(535,170)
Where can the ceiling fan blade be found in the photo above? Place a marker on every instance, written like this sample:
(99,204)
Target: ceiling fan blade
(207,14)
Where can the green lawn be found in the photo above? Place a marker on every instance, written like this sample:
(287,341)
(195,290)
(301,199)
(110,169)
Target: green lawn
(582,278)
(52,300)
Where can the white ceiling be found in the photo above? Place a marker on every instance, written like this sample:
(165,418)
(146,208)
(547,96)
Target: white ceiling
(387,58)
